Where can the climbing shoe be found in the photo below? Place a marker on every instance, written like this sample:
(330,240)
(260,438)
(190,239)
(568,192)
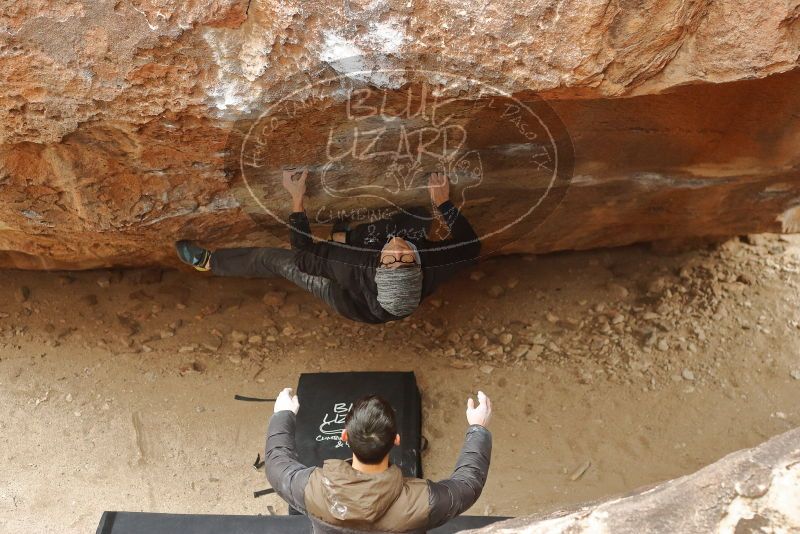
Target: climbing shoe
(191,254)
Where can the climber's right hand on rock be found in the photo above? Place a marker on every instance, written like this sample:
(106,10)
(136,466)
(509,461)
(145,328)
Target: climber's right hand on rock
(287,402)
(481,414)
(296,188)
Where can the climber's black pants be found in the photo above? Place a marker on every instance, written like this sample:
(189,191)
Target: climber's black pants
(268,262)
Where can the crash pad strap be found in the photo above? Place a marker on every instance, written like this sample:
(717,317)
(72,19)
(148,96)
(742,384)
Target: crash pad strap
(251,399)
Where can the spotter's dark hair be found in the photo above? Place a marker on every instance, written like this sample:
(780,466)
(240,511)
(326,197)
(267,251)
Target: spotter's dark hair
(371,428)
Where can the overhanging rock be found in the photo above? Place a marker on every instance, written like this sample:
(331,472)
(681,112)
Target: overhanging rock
(665,120)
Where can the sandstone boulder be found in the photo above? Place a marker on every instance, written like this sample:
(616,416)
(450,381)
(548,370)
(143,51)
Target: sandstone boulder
(127,125)
(754,490)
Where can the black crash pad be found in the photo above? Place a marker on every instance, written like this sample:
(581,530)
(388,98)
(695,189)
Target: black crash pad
(145,523)
(325,399)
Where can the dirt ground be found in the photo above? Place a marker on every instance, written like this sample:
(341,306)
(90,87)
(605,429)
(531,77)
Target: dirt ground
(117,387)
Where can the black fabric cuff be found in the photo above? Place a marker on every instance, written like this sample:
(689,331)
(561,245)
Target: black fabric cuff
(446,206)
(298,220)
(478,428)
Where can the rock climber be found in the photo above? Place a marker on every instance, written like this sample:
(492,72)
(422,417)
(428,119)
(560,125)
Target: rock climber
(360,277)
(366,493)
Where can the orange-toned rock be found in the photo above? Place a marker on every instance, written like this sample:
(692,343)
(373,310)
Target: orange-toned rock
(123,124)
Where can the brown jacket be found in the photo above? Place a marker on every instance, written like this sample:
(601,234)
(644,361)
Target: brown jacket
(340,499)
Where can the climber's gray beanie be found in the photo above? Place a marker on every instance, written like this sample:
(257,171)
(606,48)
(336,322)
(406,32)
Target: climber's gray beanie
(399,290)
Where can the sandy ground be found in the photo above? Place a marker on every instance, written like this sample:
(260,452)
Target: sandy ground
(117,387)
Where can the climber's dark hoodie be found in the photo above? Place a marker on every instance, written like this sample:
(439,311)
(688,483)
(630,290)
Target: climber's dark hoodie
(340,499)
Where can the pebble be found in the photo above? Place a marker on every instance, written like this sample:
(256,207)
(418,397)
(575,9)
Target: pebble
(209,309)
(487,369)
(746,279)
(235,358)
(436,303)
(493,351)
(496,291)
(476,275)
(68,398)
(289,310)
(551,318)
(662,345)
(238,336)
(687,374)
(104,282)
(617,319)
(617,291)
(460,364)
(43,398)
(479,341)
(580,470)
(520,351)
(505,338)
(255,340)
(512,283)
(274,298)
(288,330)
(795,374)
(535,352)
(658,285)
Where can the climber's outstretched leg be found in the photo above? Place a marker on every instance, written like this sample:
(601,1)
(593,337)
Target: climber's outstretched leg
(255,263)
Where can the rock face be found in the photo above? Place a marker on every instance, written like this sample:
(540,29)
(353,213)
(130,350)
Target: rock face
(565,124)
(754,490)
